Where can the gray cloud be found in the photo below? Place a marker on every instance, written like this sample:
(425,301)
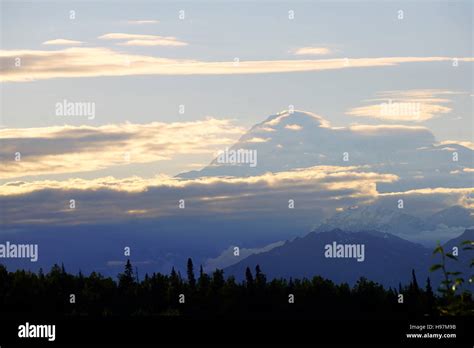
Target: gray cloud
(108,199)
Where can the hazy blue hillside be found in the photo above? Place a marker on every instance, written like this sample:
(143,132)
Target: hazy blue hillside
(388,259)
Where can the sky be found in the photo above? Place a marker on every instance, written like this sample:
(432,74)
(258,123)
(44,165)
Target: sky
(249,31)
(172,83)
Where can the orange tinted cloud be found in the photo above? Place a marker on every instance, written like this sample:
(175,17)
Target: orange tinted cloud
(72,149)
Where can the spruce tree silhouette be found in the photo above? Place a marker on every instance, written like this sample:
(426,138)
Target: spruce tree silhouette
(126,279)
(248,278)
(158,295)
(218,280)
(430,298)
(260,279)
(414,283)
(203,281)
(190,273)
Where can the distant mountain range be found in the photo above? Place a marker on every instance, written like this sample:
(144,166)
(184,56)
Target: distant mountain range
(452,216)
(300,139)
(449,221)
(284,141)
(388,259)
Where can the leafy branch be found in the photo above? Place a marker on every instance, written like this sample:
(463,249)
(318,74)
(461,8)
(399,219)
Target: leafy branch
(455,304)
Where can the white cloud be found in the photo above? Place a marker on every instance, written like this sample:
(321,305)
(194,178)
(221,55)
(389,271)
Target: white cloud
(465,143)
(227,257)
(294,127)
(257,140)
(99,61)
(63,42)
(329,176)
(105,199)
(440,196)
(143,21)
(408,106)
(286,115)
(70,149)
(313,51)
(116,199)
(143,39)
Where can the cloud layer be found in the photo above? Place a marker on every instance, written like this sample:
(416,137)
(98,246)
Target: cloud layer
(320,188)
(143,40)
(406,106)
(63,42)
(143,21)
(312,51)
(99,61)
(111,199)
(72,149)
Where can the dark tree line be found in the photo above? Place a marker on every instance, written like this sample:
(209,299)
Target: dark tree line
(59,293)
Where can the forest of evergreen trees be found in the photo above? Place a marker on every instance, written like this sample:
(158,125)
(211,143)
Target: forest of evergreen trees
(60,294)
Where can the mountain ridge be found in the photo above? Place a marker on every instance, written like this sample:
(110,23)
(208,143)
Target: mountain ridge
(291,140)
(396,221)
(388,259)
